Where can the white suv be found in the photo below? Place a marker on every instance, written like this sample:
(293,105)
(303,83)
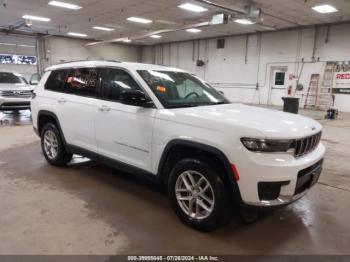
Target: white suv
(170,126)
(15,92)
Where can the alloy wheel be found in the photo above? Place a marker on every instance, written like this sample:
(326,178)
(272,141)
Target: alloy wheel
(195,195)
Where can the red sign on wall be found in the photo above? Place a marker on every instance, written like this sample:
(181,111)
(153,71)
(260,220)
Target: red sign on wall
(342,78)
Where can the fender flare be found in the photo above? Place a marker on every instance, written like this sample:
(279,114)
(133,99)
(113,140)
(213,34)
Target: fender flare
(203,147)
(54,116)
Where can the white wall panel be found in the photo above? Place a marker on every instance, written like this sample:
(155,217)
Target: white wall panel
(229,71)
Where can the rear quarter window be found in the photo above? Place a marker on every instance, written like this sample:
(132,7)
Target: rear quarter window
(77,81)
(56,80)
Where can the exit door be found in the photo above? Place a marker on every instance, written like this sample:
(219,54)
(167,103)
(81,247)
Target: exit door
(278,85)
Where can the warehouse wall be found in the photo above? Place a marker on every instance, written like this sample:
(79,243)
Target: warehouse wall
(54,50)
(18,45)
(237,71)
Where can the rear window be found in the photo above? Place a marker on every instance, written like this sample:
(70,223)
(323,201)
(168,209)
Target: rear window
(56,80)
(11,78)
(77,81)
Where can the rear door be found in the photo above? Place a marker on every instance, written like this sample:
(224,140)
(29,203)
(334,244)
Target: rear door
(77,105)
(123,132)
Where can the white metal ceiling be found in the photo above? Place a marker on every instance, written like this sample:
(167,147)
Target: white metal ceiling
(165,14)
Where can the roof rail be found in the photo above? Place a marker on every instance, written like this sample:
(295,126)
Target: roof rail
(98,60)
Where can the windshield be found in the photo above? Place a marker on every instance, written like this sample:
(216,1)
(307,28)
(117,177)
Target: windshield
(180,89)
(10,78)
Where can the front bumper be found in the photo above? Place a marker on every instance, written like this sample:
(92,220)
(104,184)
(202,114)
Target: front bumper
(14,103)
(293,176)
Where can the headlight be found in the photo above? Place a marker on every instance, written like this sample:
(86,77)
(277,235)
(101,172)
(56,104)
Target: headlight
(266,145)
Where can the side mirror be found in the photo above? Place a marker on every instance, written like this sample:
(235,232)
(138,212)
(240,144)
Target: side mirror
(221,92)
(136,98)
(34,80)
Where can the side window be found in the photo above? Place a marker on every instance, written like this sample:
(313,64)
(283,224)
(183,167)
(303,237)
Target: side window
(82,81)
(114,82)
(56,80)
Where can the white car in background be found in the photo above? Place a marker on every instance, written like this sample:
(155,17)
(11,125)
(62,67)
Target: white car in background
(171,126)
(15,92)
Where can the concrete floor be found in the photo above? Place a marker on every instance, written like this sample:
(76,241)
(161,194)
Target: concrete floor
(90,209)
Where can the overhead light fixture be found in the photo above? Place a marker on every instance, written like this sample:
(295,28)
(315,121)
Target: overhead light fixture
(193,30)
(325,9)
(193,8)
(155,36)
(30,46)
(8,44)
(127,41)
(36,18)
(139,20)
(65,5)
(244,21)
(77,34)
(103,28)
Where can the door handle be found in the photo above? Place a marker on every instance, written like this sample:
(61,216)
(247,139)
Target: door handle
(62,101)
(104,108)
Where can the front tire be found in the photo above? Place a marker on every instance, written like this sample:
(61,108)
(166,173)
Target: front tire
(198,195)
(53,147)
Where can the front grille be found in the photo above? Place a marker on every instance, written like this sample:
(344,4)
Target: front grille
(16,94)
(14,104)
(306,145)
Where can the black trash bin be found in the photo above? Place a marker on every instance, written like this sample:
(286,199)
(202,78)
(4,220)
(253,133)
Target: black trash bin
(291,104)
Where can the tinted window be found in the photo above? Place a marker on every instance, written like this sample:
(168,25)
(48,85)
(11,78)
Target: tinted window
(82,81)
(10,78)
(56,80)
(78,81)
(114,82)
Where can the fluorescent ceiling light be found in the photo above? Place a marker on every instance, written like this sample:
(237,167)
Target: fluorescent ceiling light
(20,45)
(103,28)
(156,36)
(77,34)
(36,18)
(8,44)
(166,22)
(30,46)
(127,40)
(193,8)
(244,21)
(193,30)
(325,9)
(65,5)
(139,20)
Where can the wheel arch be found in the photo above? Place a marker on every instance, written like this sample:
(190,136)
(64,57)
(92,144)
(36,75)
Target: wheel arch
(202,151)
(44,117)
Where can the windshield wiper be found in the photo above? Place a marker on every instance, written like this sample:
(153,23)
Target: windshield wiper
(182,105)
(214,103)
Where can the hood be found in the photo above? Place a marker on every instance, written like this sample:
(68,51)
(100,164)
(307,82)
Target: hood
(9,87)
(270,123)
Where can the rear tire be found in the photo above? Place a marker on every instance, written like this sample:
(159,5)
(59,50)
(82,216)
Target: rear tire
(198,195)
(53,147)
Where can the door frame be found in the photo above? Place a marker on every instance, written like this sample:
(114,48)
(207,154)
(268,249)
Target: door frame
(271,88)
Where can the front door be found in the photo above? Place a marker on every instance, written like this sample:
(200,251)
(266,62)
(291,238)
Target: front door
(278,85)
(123,132)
